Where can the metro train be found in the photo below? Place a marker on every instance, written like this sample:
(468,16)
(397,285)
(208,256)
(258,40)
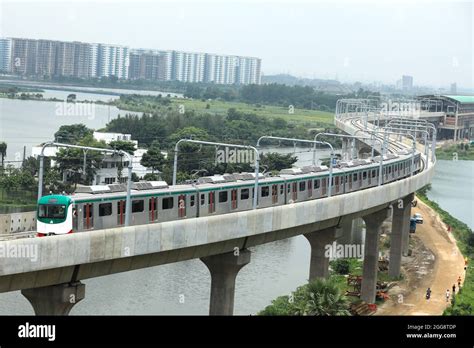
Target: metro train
(103,206)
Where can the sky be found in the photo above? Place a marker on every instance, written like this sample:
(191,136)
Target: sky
(349,40)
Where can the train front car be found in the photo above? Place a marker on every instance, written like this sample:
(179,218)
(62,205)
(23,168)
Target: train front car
(54,215)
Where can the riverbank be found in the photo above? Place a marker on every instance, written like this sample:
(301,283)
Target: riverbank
(461,151)
(463,303)
(435,263)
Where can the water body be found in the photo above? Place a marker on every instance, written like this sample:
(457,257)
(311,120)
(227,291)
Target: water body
(111,91)
(80,96)
(453,189)
(30,123)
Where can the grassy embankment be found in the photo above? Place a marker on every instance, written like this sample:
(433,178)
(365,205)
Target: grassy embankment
(221,107)
(463,303)
(449,152)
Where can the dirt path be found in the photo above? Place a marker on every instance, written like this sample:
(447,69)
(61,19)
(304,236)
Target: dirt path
(440,275)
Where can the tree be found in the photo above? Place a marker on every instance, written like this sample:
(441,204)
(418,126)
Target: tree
(72,134)
(275,161)
(153,158)
(121,145)
(72,160)
(3,151)
(320,297)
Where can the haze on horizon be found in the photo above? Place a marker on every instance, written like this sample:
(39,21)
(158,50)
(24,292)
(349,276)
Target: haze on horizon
(351,41)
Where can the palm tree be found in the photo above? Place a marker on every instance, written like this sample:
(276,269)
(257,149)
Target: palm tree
(320,297)
(3,151)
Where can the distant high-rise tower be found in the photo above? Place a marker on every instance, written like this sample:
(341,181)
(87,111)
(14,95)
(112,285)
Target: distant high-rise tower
(5,55)
(454,88)
(407,83)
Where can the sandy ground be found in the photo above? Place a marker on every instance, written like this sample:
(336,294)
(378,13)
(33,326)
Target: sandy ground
(436,263)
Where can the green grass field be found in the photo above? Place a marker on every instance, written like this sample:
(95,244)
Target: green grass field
(221,107)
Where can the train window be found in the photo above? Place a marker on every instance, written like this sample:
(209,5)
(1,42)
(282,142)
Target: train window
(203,199)
(289,188)
(265,191)
(222,196)
(282,189)
(244,194)
(105,209)
(316,184)
(302,185)
(192,200)
(138,206)
(354,178)
(53,211)
(373,173)
(389,169)
(167,203)
(364,175)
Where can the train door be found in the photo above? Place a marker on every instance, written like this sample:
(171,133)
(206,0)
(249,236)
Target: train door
(233,198)
(310,188)
(323,187)
(350,182)
(75,220)
(369,176)
(120,212)
(88,216)
(336,179)
(274,194)
(212,202)
(153,208)
(294,193)
(181,206)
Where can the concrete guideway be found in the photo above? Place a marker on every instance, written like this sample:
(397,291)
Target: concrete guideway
(221,242)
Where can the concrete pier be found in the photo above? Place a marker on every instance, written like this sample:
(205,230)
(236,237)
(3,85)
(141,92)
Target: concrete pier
(400,229)
(55,299)
(373,222)
(224,269)
(406,227)
(319,264)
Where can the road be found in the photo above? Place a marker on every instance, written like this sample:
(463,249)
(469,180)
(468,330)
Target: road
(441,274)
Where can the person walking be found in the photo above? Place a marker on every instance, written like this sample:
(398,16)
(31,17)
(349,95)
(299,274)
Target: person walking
(447,295)
(454,289)
(459,282)
(428,293)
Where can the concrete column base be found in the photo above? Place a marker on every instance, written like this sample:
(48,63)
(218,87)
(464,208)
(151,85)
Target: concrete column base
(55,299)
(406,227)
(373,223)
(400,226)
(224,269)
(319,264)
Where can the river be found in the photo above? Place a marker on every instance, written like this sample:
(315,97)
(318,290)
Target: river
(29,122)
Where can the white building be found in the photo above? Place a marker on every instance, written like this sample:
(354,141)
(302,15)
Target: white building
(112,60)
(108,172)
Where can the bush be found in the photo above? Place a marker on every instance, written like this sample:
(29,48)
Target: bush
(341,266)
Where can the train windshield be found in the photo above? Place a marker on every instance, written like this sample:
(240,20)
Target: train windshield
(52,211)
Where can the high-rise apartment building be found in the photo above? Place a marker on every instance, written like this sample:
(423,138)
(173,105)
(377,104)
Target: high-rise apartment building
(86,60)
(5,54)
